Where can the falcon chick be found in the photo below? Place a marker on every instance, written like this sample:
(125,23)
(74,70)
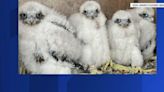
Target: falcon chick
(123,39)
(91,30)
(46,41)
(144,18)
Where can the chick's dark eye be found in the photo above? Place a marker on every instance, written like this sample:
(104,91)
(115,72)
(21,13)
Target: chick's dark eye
(117,20)
(39,15)
(97,10)
(23,16)
(129,21)
(145,15)
(84,11)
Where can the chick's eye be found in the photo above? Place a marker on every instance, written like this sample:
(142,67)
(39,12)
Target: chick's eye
(84,11)
(145,15)
(39,15)
(117,20)
(129,21)
(23,16)
(97,10)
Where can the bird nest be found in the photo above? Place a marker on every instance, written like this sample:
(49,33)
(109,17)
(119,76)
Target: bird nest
(113,68)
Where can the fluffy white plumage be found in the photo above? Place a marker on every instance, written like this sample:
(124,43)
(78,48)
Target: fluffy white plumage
(46,41)
(144,18)
(91,30)
(123,39)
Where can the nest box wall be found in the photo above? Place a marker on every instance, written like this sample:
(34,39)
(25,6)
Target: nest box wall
(68,7)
